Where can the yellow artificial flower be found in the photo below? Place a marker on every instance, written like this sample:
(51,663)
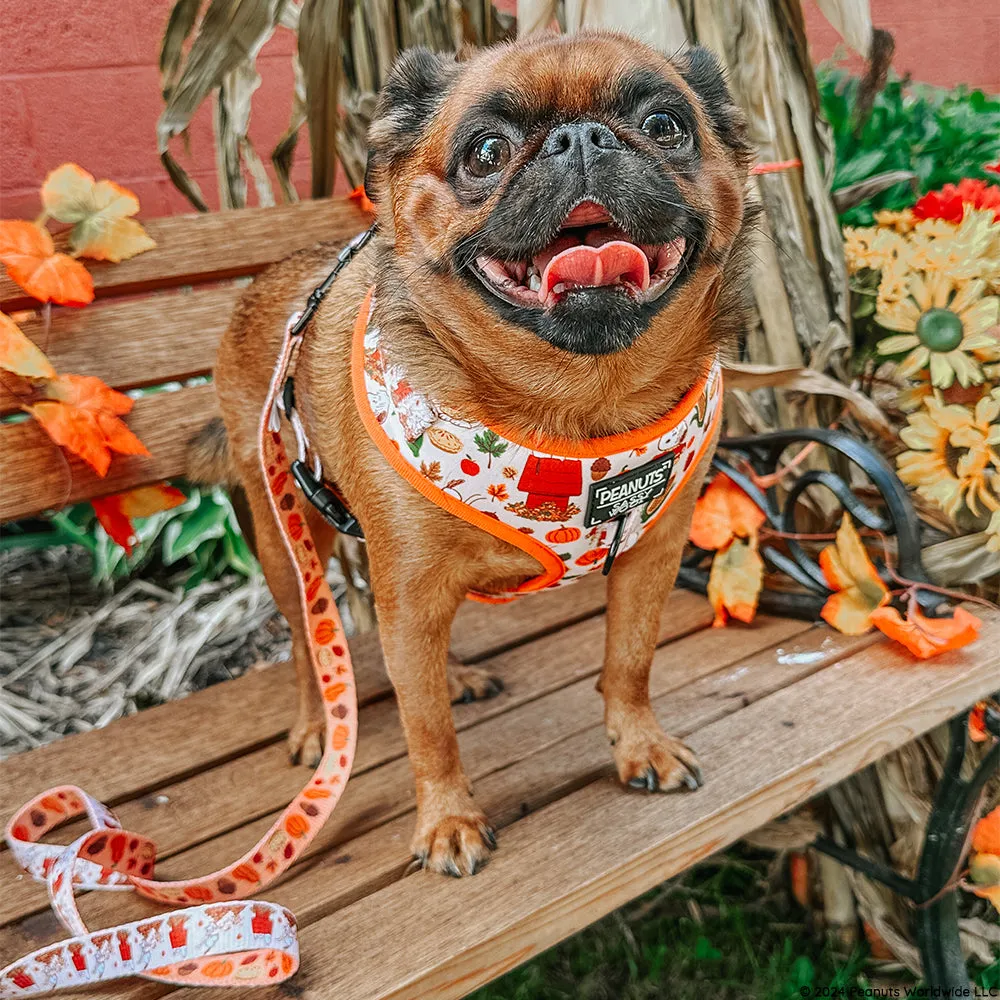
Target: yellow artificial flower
(952,458)
(940,326)
(965,251)
(903,222)
(874,248)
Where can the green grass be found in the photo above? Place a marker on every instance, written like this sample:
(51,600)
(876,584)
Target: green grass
(725,930)
(722,930)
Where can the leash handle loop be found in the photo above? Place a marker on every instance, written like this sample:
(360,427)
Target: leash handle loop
(214,938)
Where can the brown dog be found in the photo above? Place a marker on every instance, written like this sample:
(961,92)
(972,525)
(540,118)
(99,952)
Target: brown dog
(477,165)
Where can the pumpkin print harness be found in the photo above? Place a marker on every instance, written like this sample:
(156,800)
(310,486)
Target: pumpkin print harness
(573,505)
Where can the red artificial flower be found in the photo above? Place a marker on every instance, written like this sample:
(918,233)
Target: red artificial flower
(949,203)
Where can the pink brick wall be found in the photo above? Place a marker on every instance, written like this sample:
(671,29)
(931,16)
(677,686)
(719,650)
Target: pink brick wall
(78,81)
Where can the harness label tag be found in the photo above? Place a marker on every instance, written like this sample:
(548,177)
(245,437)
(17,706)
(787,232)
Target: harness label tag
(633,488)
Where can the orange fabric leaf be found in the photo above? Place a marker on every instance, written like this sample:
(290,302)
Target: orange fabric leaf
(88,393)
(75,430)
(735,582)
(986,834)
(19,355)
(31,260)
(927,637)
(82,415)
(858,589)
(118,437)
(984,870)
(100,212)
(722,512)
(977,723)
(361,197)
(115,512)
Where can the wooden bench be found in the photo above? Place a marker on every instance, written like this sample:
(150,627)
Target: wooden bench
(777,711)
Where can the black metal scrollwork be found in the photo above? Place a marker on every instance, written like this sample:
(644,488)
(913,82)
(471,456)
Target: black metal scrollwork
(763,452)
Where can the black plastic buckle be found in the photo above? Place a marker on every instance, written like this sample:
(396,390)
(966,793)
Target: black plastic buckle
(325,500)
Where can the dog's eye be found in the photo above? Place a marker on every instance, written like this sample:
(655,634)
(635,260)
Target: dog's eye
(665,128)
(488,156)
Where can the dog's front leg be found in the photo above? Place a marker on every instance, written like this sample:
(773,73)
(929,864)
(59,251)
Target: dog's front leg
(415,612)
(638,585)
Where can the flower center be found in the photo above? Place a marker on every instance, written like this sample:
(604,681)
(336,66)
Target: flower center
(940,330)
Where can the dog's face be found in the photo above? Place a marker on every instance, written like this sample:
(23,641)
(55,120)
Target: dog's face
(576,191)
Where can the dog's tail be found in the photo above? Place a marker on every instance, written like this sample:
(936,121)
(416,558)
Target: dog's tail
(209,459)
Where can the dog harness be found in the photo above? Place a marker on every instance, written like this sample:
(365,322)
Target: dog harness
(573,505)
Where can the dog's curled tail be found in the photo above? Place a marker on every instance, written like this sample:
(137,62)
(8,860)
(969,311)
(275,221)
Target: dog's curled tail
(209,459)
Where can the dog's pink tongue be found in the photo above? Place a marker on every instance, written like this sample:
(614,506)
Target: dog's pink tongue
(595,266)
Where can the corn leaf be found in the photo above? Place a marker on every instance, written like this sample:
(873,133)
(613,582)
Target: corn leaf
(321,23)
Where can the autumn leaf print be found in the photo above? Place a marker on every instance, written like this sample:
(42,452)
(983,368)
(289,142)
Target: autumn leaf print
(431,470)
(510,472)
(489,443)
(498,491)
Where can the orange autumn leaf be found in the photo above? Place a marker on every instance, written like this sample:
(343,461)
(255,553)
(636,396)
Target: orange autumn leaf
(850,574)
(986,833)
(735,582)
(75,430)
(927,637)
(100,212)
(724,511)
(89,393)
(29,255)
(361,197)
(19,355)
(115,512)
(977,723)
(82,415)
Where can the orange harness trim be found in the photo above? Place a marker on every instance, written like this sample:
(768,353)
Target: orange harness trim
(588,500)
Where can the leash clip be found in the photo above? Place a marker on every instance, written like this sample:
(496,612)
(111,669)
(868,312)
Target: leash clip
(325,500)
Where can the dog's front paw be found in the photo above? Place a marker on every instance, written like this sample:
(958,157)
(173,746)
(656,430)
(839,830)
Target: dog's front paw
(453,837)
(305,741)
(646,757)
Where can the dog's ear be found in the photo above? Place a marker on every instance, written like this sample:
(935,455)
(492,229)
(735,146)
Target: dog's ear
(704,74)
(414,90)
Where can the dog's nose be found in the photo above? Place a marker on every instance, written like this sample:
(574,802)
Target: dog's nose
(586,140)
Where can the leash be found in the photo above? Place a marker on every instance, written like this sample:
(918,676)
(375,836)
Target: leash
(213,939)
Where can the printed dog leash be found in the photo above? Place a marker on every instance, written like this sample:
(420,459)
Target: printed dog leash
(214,939)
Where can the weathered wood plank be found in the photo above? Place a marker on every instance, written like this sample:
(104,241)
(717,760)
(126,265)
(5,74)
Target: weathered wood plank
(36,476)
(167,743)
(584,855)
(215,800)
(135,342)
(213,246)
(506,791)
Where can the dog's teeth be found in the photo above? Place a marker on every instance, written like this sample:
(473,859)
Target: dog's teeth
(535,281)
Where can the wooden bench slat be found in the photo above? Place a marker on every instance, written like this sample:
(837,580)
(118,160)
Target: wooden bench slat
(215,801)
(504,791)
(35,477)
(212,246)
(137,342)
(590,852)
(166,743)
